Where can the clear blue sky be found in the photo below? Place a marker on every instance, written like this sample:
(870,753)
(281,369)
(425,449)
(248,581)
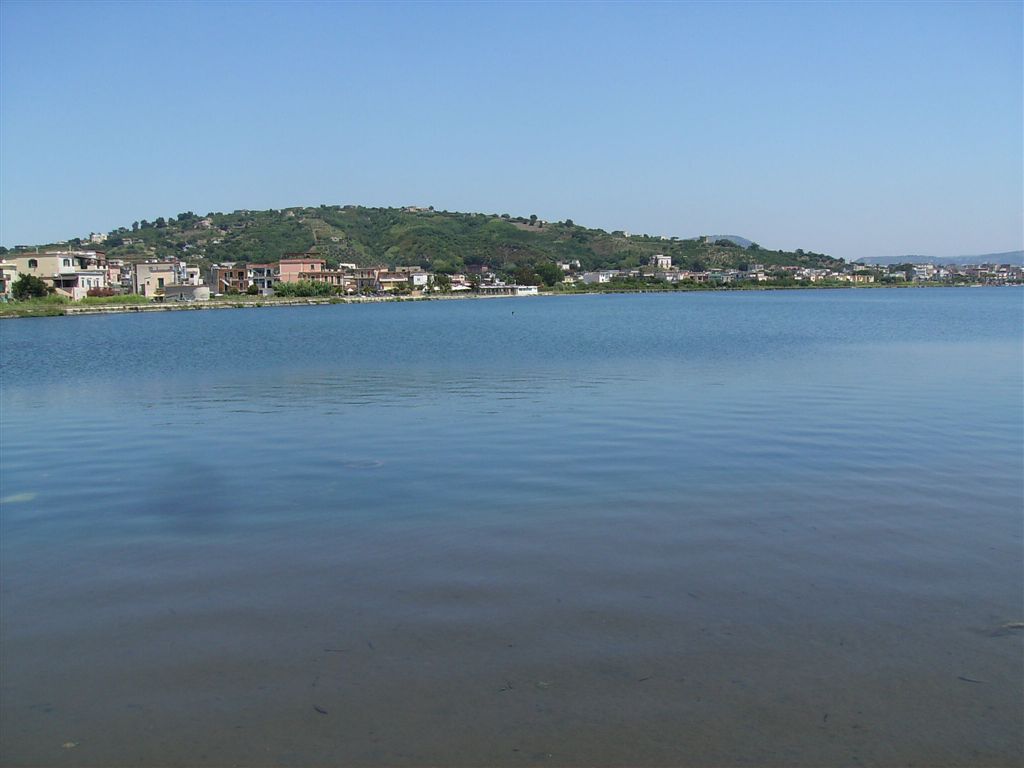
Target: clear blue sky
(856,129)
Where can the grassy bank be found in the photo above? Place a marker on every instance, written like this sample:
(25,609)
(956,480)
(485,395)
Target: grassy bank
(52,306)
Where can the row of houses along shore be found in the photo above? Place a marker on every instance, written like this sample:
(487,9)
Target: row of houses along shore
(76,274)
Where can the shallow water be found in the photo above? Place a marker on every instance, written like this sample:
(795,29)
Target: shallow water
(705,529)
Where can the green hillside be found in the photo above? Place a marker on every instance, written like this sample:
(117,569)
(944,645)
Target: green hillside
(441,241)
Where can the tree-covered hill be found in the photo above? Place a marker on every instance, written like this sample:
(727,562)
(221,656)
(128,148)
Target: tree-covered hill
(438,240)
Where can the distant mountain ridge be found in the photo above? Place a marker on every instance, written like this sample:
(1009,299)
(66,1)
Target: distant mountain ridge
(742,242)
(1005,257)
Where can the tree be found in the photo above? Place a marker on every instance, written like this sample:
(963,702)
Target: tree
(533,219)
(569,223)
(550,273)
(28,287)
(135,226)
(526,276)
(753,247)
(441,282)
(907,269)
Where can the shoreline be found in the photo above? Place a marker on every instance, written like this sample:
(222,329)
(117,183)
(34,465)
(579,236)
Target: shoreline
(70,310)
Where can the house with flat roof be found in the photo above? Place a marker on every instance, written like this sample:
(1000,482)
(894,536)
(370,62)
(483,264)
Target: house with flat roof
(70,273)
(229,278)
(263,276)
(293,265)
(392,281)
(602,276)
(150,278)
(499,289)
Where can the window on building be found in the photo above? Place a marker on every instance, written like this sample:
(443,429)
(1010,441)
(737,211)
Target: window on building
(67,262)
(32,263)
(159,282)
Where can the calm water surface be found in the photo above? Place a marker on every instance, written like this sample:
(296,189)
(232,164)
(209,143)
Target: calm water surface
(707,529)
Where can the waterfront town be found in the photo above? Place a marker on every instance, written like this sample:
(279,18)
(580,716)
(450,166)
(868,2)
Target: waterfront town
(75,274)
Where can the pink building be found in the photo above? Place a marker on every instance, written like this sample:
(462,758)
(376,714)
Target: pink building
(295,269)
(114,268)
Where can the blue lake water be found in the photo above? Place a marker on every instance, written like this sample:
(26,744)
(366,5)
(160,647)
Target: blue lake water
(713,529)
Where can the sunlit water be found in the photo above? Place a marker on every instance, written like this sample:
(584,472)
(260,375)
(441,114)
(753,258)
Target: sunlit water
(705,529)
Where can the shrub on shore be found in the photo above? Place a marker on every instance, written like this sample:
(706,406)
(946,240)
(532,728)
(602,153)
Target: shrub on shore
(304,288)
(29,287)
(123,298)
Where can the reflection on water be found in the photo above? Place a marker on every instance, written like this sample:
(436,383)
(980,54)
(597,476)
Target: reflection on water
(704,530)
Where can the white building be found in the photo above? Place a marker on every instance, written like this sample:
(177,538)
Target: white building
(263,276)
(151,278)
(508,290)
(8,274)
